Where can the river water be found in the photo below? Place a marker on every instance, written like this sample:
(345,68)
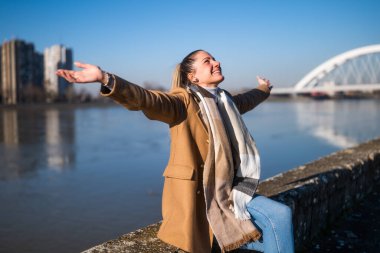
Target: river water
(72,177)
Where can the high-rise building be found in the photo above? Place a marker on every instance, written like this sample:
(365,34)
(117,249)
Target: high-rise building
(57,57)
(21,72)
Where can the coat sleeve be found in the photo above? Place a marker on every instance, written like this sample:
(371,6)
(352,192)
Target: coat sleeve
(156,105)
(250,99)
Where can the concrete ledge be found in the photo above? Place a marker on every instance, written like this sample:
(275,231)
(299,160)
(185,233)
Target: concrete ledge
(318,193)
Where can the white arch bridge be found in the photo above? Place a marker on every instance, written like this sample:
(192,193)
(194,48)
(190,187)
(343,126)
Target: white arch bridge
(357,70)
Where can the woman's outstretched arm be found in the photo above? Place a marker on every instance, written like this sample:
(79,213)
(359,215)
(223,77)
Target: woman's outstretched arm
(156,105)
(249,100)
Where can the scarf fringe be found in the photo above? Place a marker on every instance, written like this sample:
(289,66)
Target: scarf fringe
(254,236)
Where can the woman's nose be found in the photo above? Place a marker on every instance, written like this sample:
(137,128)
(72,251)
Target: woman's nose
(216,64)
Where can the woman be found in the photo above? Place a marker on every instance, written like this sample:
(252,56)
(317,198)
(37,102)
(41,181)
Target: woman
(214,166)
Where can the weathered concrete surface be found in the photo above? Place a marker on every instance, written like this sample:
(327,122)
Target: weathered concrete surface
(318,192)
(357,231)
(141,240)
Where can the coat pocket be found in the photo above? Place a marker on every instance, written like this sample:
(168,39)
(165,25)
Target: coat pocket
(179,172)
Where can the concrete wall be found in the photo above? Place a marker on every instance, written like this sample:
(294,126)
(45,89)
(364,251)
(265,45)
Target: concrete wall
(321,191)
(318,192)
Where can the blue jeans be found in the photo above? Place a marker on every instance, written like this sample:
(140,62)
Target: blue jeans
(274,220)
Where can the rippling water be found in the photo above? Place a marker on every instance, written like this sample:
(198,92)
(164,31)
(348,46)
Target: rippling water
(73,177)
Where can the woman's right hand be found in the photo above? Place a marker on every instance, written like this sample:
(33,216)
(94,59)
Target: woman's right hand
(88,74)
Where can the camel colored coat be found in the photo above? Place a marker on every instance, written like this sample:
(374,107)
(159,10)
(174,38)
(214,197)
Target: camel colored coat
(184,222)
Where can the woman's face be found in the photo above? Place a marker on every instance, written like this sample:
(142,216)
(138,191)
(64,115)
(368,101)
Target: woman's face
(207,71)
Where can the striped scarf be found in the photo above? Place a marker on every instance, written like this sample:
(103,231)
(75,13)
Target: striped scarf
(231,171)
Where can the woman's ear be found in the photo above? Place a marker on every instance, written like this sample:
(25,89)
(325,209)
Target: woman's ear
(192,78)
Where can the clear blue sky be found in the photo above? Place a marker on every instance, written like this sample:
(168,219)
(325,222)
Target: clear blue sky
(143,40)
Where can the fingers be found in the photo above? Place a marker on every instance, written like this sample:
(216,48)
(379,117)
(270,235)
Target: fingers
(82,65)
(61,73)
(79,64)
(67,74)
(262,80)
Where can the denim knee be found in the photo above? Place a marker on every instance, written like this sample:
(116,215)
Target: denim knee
(272,209)
(283,210)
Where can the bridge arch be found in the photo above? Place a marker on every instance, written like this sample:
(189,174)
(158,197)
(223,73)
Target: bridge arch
(325,68)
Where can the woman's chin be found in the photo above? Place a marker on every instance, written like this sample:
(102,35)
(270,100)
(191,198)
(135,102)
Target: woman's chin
(221,79)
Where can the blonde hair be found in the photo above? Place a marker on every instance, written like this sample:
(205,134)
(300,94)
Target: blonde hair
(176,78)
(179,78)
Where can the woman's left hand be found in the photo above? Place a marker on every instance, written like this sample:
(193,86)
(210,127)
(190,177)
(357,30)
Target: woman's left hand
(263,81)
